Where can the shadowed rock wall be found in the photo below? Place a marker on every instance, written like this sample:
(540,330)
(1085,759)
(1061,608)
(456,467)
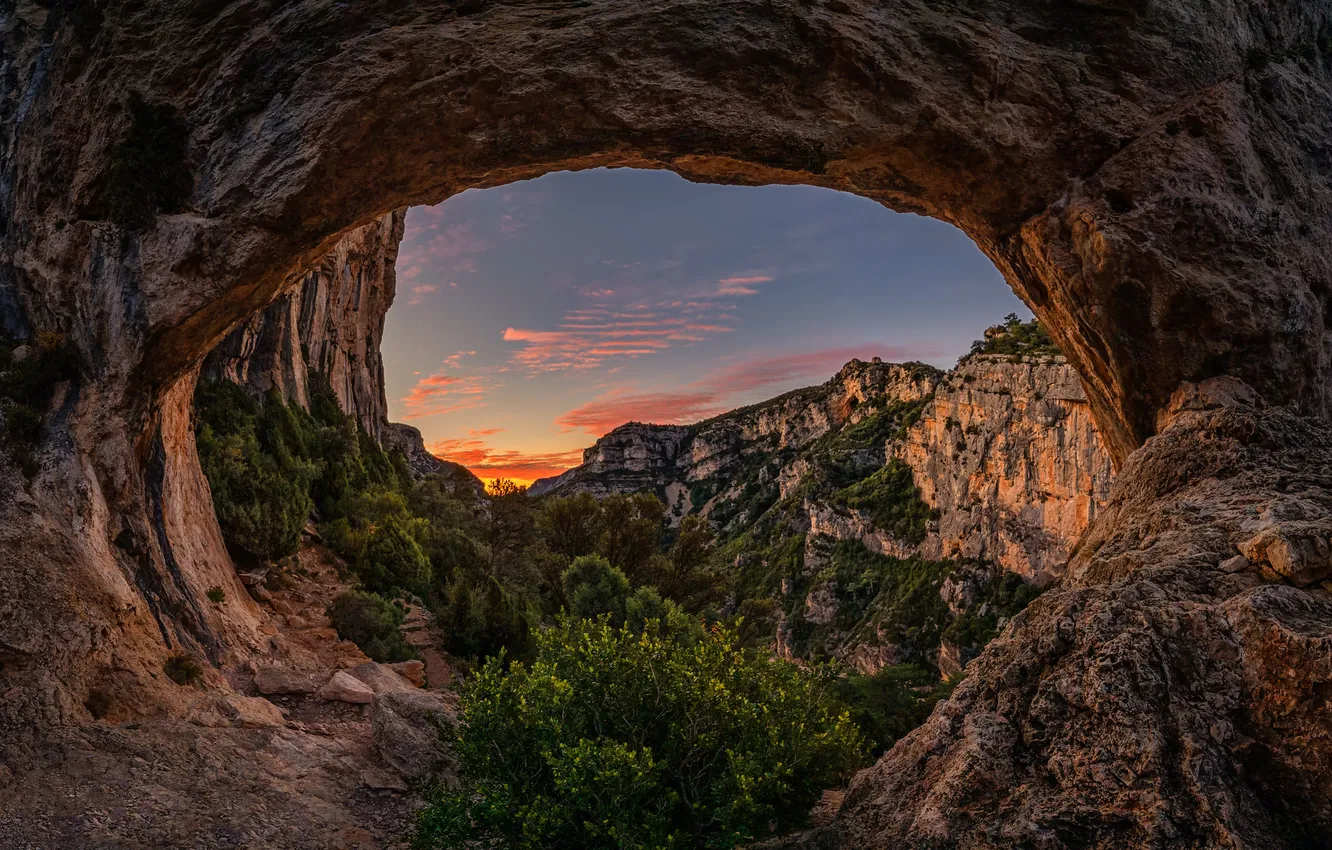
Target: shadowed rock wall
(331,322)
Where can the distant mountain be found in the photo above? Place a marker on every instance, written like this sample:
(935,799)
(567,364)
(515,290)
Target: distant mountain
(990,469)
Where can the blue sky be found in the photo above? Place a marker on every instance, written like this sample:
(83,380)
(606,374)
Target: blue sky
(532,318)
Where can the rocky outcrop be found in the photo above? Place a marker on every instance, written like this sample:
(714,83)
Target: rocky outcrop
(1008,455)
(331,322)
(1167,694)
(1003,449)
(406,439)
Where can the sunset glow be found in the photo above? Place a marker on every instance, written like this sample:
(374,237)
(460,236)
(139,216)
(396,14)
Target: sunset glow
(533,318)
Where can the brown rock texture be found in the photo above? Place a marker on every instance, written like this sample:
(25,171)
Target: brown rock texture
(1157,699)
(1152,178)
(1009,454)
(332,322)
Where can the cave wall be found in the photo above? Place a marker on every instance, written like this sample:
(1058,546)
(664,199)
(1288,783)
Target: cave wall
(332,322)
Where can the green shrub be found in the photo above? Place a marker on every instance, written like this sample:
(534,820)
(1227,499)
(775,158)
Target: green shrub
(893,501)
(1016,338)
(217,595)
(620,739)
(183,669)
(593,587)
(391,561)
(255,466)
(371,622)
(892,702)
(481,617)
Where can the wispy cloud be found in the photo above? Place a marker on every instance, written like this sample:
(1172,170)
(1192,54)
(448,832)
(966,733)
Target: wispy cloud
(587,337)
(438,248)
(489,462)
(618,407)
(722,389)
(742,284)
(420,291)
(454,360)
(441,393)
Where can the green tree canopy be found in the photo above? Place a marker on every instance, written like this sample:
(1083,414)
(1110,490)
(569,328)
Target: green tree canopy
(615,738)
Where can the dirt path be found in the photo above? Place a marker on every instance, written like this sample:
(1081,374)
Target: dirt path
(309,779)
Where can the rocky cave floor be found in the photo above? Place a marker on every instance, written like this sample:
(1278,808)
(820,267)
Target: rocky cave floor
(281,770)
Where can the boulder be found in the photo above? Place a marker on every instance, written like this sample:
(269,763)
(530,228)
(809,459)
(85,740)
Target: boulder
(251,712)
(344,688)
(413,671)
(284,680)
(381,678)
(236,710)
(411,730)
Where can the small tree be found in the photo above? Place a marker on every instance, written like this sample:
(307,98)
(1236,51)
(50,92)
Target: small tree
(371,622)
(615,739)
(392,561)
(571,526)
(593,587)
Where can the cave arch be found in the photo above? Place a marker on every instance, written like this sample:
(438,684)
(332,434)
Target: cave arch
(1051,138)
(1152,179)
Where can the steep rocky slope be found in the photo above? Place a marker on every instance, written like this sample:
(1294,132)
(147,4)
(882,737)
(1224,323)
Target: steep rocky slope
(882,517)
(332,322)
(1003,450)
(1198,603)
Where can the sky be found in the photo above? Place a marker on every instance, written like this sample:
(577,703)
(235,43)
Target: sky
(533,318)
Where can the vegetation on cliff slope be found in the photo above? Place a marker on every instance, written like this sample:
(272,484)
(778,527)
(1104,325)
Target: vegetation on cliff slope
(1016,338)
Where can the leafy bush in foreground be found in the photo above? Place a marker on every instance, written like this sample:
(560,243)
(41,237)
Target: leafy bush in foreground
(613,738)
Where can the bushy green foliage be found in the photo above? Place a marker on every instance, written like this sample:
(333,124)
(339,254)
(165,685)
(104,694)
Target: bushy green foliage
(183,669)
(26,387)
(892,702)
(257,468)
(893,501)
(371,622)
(593,587)
(631,531)
(1002,597)
(614,738)
(1016,338)
(391,561)
(217,595)
(571,525)
(149,173)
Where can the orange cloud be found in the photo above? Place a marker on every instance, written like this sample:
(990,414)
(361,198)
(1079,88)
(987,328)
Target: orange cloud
(717,392)
(441,393)
(587,337)
(490,463)
(741,285)
(419,293)
(614,409)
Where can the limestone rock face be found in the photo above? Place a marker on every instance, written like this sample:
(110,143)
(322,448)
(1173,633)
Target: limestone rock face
(1057,733)
(1009,455)
(1004,449)
(407,439)
(332,322)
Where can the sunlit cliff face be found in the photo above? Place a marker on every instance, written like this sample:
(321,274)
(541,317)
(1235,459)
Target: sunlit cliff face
(532,318)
